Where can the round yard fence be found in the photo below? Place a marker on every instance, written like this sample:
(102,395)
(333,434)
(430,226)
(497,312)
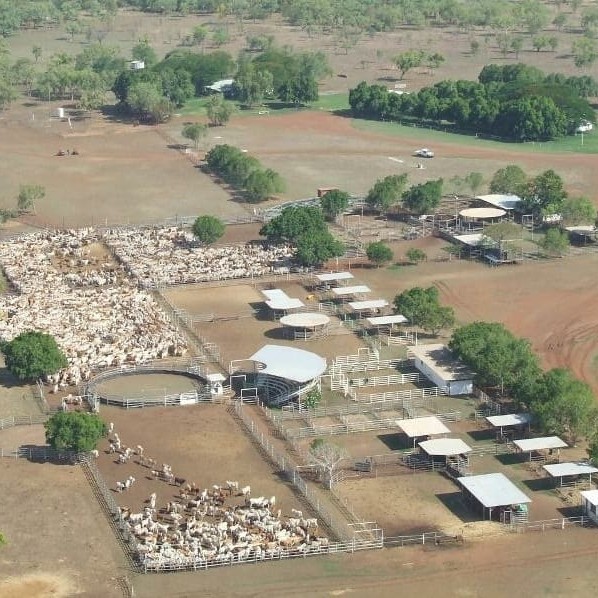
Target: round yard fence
(158,384)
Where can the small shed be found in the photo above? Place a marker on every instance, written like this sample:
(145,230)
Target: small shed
(507,426)
(495,494)
(440,366)
(136,65)
(539,446)
(589,504)
(422,427)
(567,472)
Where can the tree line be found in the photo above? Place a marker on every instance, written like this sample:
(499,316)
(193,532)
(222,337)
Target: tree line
(516,103)
(244,172)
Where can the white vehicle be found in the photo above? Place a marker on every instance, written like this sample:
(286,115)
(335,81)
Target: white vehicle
(424,153)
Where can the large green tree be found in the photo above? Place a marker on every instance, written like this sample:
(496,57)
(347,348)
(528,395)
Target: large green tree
(422,308)
(208,229)
(578,210)
(195,132)
(555,241)
(543,195)
(334,202)
(33,355)
(508,180)
(386,192)
(423,198)
(379,253)
(74,431)
(495,354)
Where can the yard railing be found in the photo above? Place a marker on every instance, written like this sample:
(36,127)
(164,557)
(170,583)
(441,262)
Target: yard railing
(548,524)
(23,420)
(413,393)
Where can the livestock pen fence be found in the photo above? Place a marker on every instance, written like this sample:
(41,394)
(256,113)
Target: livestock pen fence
(23,420)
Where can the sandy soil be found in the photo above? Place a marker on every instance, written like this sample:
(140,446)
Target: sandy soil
(59,543)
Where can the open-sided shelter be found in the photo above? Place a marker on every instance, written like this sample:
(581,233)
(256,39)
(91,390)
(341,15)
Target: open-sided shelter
(440,366)
(541,446)
(571,471)
(422,427)
(369,306)
(348,292)
(495,495)
(330,279)
(280,303)
(442,449)
(510,425)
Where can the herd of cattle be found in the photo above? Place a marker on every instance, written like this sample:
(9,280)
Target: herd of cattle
(217,525)
(93,303)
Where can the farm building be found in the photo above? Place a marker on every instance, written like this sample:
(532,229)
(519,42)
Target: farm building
(422,427)
(589,504)
(541,448)
(440,366)
(565,472)
(510,425)
(582,234)
(496,496)
(279,374)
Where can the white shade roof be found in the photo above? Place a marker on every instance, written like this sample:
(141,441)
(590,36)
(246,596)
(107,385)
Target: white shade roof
(215,377)
(537,444)
(371,304)
(332,276)
(513,419)
(473,240)
(558,470)
(289,363)
(441,360)
(481,213)
(305,320)
(445,447)
(422,426)
(279,300)
(356,290)
(591,496)
(505,202)
(494,490)
(385,320)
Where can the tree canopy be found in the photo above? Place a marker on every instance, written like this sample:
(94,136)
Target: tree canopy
(422,308)
(195,132)
(543,195)
(379,253)
(208,229)
(74,431)
(555,241)
(386,192)
(578,210)
(508,180)
(334,202)
(495,354)
(33,355)
(423,198)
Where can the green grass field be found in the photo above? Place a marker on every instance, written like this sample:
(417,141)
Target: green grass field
(568,144)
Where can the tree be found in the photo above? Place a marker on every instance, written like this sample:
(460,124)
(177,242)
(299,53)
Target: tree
(220,37)
(327,457)
(435,60)
(208,229)
(28,195)
(578,210)
(334,202)
(508,180)
(386,192)
(379,253)
(199,35)
(423,198)
(584,52)
(517,45)
(262,184)
(543,195)
(292,223)
(495,354)
(422,308)
(37,52)
(555,241)
(219,110)
(72,28)
(146,99)
(315,248)
(33,355)
(74,431)
(3,540)
(251,85)
(563,405)
(408,60)
(313,398)
(540,42)
(8,93)
(474,180)
(415,255)
(475,47)
(144,52)
(195,132)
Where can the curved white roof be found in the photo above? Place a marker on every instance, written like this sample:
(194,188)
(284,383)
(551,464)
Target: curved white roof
(305,320)
(292,364)
(481,213)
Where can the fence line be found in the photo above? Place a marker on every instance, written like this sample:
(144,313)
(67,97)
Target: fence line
(414,393)
(23,420)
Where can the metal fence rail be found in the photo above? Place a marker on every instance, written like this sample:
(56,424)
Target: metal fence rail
(23,420)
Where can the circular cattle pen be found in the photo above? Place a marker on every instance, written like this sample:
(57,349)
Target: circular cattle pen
(306,325)
(149,386)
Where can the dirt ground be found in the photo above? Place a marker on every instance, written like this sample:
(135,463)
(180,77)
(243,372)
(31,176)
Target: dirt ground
(58,541)
(203,444)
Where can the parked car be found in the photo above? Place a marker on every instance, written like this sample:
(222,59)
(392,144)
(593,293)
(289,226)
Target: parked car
(424,153)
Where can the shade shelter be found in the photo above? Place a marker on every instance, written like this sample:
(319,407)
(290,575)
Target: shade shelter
(386,323)
(422,427)
(507,426)
(540,445)
(440,366)
(498,200)
(494,494)
(280,303)
(564,472)
(348,292)
(442,449)
(333,279)
(306,325)
(589,504)
(371,306)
